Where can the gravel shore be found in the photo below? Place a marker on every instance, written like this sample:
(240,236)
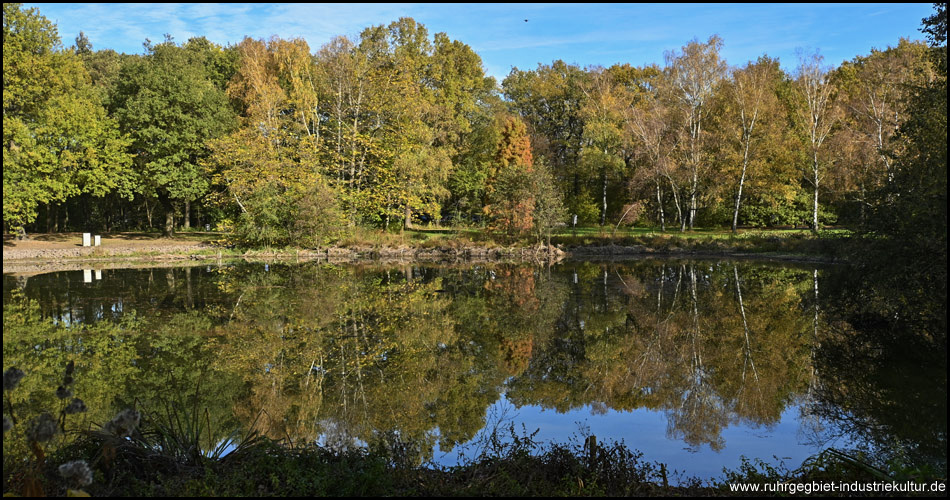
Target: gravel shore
(65,250)
(48,254)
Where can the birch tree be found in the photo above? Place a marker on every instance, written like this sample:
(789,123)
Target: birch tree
(818,114)
(649,123)
(602,112)
(696,74)
(752,93)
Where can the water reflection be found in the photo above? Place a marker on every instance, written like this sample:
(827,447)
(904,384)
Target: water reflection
(354,355)
(681,339)
(882,366)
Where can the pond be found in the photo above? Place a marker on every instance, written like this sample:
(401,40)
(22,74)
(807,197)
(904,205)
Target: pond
(695,363)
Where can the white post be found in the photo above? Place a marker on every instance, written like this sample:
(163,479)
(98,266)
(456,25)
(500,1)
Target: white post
(98,274)
(98,240)
(87,275)
(86,239)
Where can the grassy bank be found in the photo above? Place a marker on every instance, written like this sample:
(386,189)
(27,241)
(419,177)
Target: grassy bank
(829,244)
(761,240)
(149,465)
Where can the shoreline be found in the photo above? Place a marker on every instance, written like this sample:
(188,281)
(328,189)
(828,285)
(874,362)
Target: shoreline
(37,261)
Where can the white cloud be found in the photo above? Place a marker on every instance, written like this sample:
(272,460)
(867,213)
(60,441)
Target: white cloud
(582,33)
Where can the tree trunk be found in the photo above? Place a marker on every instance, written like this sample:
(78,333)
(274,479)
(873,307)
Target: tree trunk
(186,222)
(679,210)
(692,201)
(864,197)
(148,213)
(735,213)
(659,202)
(110,217)
(603,209)
(407,224)
(694,159)
(169,229)
(49,217)
(814,216)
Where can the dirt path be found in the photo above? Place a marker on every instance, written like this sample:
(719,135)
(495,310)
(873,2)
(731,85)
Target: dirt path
(50,247)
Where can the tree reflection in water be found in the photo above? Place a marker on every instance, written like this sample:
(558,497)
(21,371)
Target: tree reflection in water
(882,367)
(356,355)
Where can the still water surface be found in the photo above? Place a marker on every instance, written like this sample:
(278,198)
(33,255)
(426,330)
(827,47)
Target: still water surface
(693,363)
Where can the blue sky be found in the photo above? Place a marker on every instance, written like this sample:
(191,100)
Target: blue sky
(586,34)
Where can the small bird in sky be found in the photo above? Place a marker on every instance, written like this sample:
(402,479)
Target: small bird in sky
(525,20)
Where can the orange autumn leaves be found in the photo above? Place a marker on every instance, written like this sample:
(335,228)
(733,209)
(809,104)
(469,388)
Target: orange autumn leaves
(510,202)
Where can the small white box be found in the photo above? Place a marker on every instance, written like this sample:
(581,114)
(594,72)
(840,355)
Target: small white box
(86,239)
(98,240)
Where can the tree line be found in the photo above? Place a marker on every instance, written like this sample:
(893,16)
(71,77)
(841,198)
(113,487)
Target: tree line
(281,144)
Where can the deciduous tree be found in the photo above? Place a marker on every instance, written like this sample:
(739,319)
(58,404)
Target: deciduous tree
(818,114)
(510,200)
(752,100)
(696,74)
(58,141)
(168,106)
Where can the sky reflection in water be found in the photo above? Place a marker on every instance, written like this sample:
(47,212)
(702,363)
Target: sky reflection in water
(693,363)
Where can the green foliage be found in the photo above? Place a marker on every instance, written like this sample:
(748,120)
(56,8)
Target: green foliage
(169,107)
(397,125)
(913,208)
(906,236)
(267,221)
(511,202)
(186,435)
(549,99)
(773,209)
(307,218)
(57,140)
(513,465)
(549,210)
(318,220)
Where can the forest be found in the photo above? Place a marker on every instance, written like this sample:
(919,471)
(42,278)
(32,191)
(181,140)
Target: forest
(279,143)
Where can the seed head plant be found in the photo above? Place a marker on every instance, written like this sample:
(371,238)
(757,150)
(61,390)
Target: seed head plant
(41,431)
